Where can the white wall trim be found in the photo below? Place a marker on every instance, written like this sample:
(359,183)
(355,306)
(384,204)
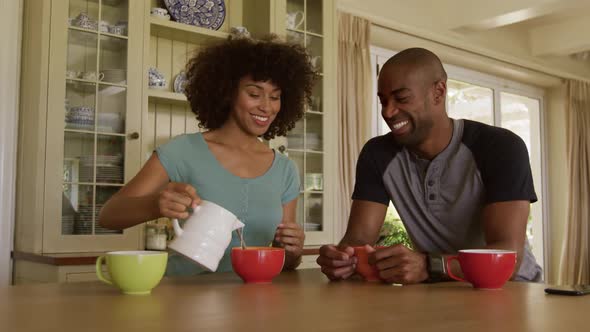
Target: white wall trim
(10,52)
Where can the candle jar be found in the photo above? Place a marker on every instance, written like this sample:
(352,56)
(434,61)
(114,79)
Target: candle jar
(155,237)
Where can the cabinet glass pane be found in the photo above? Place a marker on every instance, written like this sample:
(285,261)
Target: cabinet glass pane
(81,53)
(300,210)
(76,209)
(109,159)
(313,213)
(295,17)
(114,15)
(103,193)
(316,96)
(112,102)
(113,60)
(298,159)
(314,177)
(296,37)
(469,101)
(79,105)
(314,132)
(295,136)
(95,110)
(79,153)
(314,20)
(315,47)
(83,14)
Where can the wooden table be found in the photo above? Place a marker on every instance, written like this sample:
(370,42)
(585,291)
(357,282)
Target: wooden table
(296,301)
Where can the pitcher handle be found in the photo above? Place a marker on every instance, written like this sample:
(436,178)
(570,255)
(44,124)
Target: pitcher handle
(449,270)
(176,225)
(99,274)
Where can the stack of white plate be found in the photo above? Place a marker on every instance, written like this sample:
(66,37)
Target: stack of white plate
(313,141)
(109,169)
(312,226)
(118,76)
(102,230)
(67,224)
(83,223)
(295,141)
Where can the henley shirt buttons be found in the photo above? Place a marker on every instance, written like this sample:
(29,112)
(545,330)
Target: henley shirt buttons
(430,183)
(432,197)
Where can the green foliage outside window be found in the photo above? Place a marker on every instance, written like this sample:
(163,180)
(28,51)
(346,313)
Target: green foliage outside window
(393,230)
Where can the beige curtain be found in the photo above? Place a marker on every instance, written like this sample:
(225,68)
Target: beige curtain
(575,262)
(354,106)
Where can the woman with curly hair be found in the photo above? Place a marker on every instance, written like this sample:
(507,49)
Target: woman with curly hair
(240,90)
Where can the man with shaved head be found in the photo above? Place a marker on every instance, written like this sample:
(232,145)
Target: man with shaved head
(457,184)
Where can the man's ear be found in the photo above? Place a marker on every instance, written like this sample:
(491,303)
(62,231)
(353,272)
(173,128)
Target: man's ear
(440,92)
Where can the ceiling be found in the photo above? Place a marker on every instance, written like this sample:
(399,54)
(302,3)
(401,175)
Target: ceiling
(552,29)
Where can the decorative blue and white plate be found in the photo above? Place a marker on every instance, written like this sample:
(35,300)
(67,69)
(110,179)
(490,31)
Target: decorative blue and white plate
(202,13)
(180,82)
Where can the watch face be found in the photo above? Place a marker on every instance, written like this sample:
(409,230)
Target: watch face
(436,267)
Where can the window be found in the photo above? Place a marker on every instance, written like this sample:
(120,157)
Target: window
(494,101)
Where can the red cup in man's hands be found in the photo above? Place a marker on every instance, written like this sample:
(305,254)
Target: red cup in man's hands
(484,268)
(367,271)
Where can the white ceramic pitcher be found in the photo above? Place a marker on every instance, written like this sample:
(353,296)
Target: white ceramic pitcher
(206,234)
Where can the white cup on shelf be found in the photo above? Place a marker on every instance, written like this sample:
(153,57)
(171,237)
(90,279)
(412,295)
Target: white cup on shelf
(161,13)
(72,74)
(92,75)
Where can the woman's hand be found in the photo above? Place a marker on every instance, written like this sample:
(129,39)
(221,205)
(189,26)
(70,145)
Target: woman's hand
(291,237)
(175,200)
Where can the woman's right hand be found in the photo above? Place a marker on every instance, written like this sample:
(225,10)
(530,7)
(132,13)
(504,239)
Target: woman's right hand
(175,200)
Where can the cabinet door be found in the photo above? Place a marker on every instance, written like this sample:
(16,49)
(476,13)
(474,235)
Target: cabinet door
(311,143)
(93,120)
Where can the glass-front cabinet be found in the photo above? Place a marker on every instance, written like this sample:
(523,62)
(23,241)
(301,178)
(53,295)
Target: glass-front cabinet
(310,144)
(93,124)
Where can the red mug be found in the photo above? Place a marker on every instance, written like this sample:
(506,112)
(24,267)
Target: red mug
(484,268)
(367,271)
(257,264)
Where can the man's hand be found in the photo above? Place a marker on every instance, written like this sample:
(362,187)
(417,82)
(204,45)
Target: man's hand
(398,264)
(338,263)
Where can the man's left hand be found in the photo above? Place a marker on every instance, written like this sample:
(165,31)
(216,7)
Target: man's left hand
(398,264)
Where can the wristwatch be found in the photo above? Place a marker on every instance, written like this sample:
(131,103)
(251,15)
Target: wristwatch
(436,267)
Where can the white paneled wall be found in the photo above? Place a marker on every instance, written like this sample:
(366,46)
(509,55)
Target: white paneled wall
(168,120)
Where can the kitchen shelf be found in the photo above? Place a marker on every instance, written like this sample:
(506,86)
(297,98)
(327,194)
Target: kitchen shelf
(184,32)
(314,112)
(96,32)
(304,151)
(169,97)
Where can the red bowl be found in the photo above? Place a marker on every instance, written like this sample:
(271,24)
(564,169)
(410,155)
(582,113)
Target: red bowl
(257,264)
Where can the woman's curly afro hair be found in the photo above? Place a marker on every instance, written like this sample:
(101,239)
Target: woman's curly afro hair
(213,77)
